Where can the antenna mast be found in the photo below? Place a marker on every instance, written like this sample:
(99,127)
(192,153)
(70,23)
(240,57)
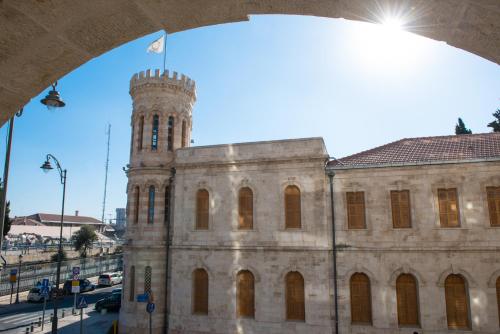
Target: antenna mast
(108,132)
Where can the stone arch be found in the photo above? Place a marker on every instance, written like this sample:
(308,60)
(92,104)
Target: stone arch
(405,270)
(199,264)
(493,279)
(250,268)
(301,270)
(471,283)
(363,270)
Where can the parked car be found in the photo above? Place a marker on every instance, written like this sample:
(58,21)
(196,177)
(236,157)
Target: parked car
(85,285)
(35,295)
(113,302)
(118,290)
(109,279)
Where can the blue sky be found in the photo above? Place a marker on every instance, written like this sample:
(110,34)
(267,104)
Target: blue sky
(274,77)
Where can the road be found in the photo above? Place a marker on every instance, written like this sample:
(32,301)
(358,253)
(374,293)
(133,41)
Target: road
(21,315)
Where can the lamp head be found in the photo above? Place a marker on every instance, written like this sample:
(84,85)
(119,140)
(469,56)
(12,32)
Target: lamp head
(53,99)
(46,167)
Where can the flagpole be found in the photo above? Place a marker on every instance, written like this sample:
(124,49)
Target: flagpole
(165,52)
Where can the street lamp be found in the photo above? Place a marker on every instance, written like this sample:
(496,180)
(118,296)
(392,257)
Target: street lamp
(53,99)
(47,167)
(19,278)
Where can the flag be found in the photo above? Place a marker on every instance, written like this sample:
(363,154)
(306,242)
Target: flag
(157,46)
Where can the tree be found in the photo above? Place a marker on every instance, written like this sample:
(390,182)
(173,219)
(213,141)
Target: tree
(495,125)
(7,221)
(83,239)
(460,128)
(64,256)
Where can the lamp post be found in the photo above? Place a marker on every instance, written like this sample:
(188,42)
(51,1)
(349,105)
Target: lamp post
(19,277)
(46,167)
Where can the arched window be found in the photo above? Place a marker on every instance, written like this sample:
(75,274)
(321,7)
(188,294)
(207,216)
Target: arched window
(167,205)
(407,299)
(361,299)
(245,209)
(498,298)
(147,279)
(457,305)
(200,291)
(154,133)
(131,295)
(151,204)
(170,134)
(245,294)
(292,207)
(137,193)
(202,209)
(294,295)
(184,134)
(141,132)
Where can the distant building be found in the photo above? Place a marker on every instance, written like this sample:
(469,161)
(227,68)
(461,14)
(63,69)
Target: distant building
(121,218)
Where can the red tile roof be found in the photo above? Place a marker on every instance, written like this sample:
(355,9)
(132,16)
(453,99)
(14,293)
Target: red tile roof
(48,217)
(414,151)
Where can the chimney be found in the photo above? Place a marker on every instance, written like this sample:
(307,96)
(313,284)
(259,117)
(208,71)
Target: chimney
(76,213)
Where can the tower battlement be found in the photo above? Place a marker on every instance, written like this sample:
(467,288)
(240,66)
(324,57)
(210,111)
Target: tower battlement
(166,78)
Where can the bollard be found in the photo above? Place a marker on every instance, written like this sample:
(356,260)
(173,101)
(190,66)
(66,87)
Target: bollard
(27,330)
(32,327)
(62,314)
(51,315)
(39,321)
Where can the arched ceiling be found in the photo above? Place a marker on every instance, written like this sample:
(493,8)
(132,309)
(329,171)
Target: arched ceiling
(42,40)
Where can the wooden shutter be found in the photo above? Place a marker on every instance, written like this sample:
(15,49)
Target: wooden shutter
(448,207)
(498,299)
(200,291)
(292,207)
(400,203)
(457,308)
(493,194)
(407,299)
(245,294)
(131,296)
(245,208)
(361,300)
(202,209)
(136,204)
(294,295)
(356,210)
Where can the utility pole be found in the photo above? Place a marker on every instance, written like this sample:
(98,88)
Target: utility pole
(108,132)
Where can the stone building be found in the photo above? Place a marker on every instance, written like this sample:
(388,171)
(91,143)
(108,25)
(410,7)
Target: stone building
(249,230)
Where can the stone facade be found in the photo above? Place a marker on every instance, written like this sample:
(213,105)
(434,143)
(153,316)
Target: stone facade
(270,251)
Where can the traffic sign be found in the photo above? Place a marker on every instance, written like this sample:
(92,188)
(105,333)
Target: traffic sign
(142,298)
(75,286)
(45,282)
(13,271)
(13,276)
(150,307)
(82,303)
(76,271)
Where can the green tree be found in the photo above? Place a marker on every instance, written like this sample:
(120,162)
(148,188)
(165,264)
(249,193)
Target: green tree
(64,256)
(461,129)
(495,125)
(83,239)
(7,221)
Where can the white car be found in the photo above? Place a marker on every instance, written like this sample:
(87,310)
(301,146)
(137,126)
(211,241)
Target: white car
(109,279)
(35,295)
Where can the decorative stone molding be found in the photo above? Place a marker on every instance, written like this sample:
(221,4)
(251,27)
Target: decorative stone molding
(405,269)
(493,279)
(234,273)
(456,271)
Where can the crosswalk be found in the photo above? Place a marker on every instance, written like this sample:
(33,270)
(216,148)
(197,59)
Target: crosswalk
(22,320)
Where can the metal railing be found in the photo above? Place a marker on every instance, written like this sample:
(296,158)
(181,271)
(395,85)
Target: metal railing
(31,273)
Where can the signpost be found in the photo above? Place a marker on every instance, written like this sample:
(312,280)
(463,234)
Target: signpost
(12,279)
(75,286)
(45,293)
(82,303)
(150,307)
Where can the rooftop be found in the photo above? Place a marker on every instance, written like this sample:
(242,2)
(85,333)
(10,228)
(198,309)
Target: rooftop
(49,217)
(426,150)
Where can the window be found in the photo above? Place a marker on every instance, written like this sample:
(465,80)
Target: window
(245,294)
(407,299)
(400,203)
(361,299)
(202,209)
(141,132)
(292,207)
(183,134)
(131,295)
(498,298)
(167,205)
(170,134)
(147,279)
(356,210)
(151,205)
(448,207)
(493,194)
(294,294)
(200,292)
(137,193)
(457,306)
(154,133)
(245,209)
(132,139)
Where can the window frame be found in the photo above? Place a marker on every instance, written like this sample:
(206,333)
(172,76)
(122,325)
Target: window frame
(449,189)
(369,298)
(251,293)
(137,199)
(155,132)
(170,133)
(195,306)
(246,212)
(417,302)
(151,204)
(140,144)
(302,303)
(287,210)
(349,207)
(467,303)
(399,216)
(495,207)
(197,213)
